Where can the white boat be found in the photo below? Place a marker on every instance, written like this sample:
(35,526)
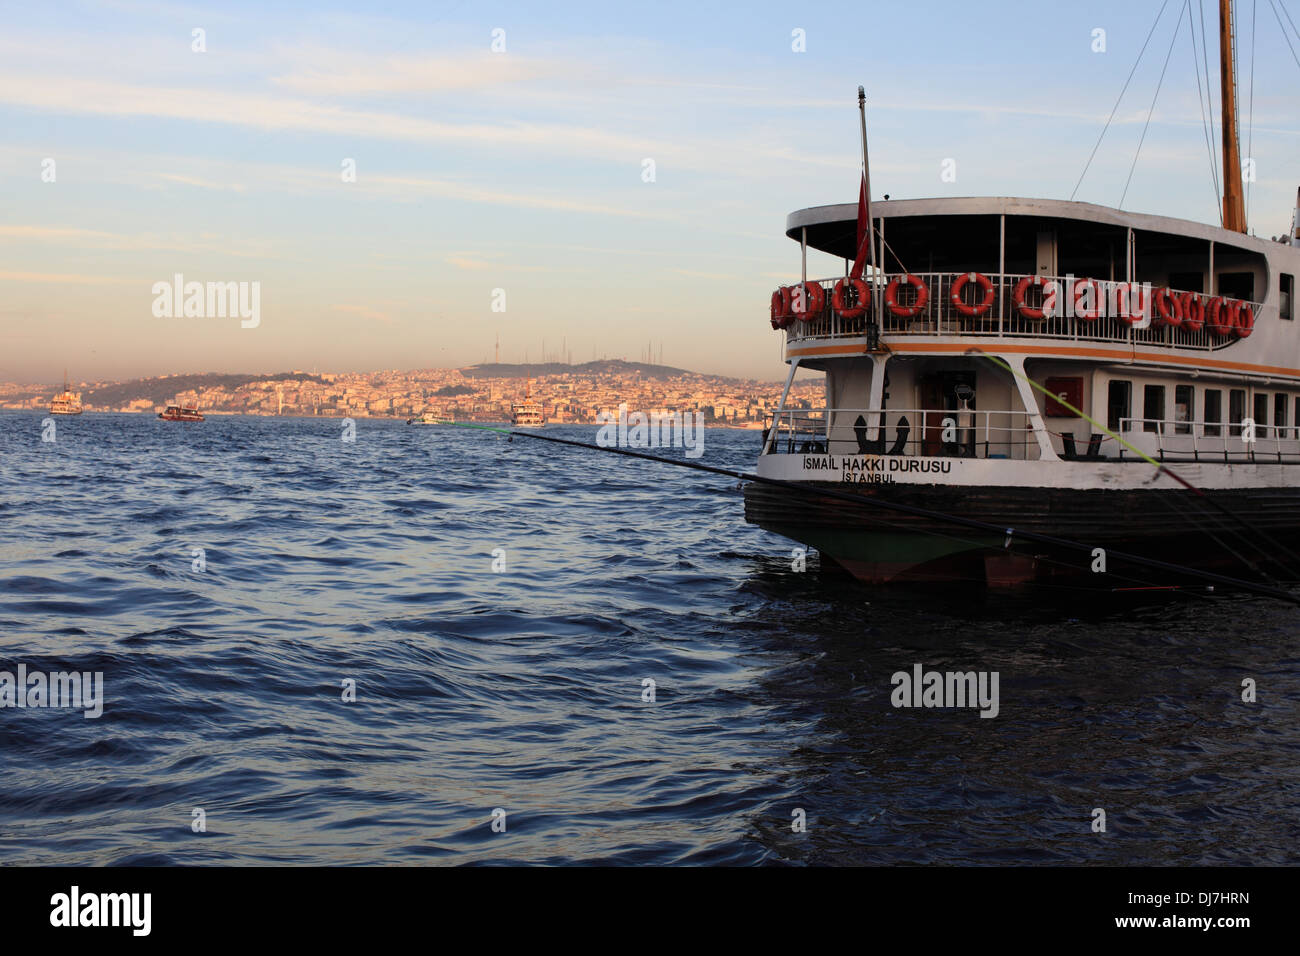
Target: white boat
(427,418)
(1059,368)
(66,402)
(527,414)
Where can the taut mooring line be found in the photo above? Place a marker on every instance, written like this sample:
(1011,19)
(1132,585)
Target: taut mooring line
(996,530)
(1159,466)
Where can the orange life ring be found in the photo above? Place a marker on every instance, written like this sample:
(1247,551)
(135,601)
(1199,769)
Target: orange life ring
(904,311)
(778,310)
(837,299)
(1218,316)
(1193,309)
(1168,310)
(1018,298)
(1245,323)
(1124,299)
(1086,314)
(981,280)
(814,300)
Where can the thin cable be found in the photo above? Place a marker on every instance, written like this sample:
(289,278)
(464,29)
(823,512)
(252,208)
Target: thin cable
(1121,97)
(1209,99)
(897,506)
(1282,4)
(1151,112)
(1284,36)
(1200,101)
(1250,122)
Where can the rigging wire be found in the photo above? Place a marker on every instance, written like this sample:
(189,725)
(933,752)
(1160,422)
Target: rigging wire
(1119,98)
(1200,101)
(1282,4)
(1178,23)
(1209,99)
(1250,122)
(1284,34)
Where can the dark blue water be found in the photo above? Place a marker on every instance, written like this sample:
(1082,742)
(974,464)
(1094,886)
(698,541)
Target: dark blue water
(522,689)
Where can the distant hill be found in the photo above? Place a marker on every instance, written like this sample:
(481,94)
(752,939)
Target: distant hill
(610,367)
(162,390)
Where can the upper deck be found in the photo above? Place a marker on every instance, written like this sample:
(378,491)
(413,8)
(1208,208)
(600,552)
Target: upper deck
(1007,240)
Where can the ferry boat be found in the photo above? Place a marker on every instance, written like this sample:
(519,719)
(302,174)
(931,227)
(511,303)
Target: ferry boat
(1066,369)
(66,402)
(426,418)
(181,413)
(527,414)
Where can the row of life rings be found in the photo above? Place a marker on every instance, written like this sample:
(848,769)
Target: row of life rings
(851,298)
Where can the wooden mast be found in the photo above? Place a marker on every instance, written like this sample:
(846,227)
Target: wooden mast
(1234,208)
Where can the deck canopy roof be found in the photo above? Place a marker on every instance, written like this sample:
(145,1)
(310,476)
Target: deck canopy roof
(962,234)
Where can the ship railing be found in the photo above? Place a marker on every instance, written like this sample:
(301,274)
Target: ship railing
(1172,440)
(939,316)
(926,432)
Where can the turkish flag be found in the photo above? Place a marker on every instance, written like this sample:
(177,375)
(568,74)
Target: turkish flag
(860,263)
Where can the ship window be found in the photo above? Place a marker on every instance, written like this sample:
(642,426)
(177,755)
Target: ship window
(1279,413)
(1237,285)
(1153,408)
(1236,410)
(1286,296)
(1183,409)
(1261,415)
(1213,412)
(1117,404)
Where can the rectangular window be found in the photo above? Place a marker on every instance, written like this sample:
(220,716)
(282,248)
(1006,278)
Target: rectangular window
(1117,404)
(1279,414)
(1261,414)
(1213,413)
(1183,409)
(1236,411)
(1286,296)
(1153,408)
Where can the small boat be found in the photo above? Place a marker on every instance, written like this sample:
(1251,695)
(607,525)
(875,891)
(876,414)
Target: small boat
(67,402)
(181,413)
(527,414)
(427,418)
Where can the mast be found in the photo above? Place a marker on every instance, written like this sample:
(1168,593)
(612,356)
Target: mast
(1234,209)
(871,223)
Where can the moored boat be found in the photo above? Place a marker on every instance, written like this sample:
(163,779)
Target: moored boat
(1062,369)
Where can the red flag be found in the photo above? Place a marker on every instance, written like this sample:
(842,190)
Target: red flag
(859,264)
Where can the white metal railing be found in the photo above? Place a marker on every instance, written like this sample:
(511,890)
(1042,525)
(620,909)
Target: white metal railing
(939,316)
(907,431)
(1208,441)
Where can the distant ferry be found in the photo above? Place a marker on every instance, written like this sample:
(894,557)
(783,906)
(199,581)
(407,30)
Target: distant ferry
(527,414)
(426,418)
(67,402)
(181,413)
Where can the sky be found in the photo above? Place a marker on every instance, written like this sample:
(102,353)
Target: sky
(520,176)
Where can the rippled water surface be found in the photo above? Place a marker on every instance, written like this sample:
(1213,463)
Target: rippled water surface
(372,561)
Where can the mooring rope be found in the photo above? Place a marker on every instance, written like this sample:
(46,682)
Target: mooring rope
(898,507)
